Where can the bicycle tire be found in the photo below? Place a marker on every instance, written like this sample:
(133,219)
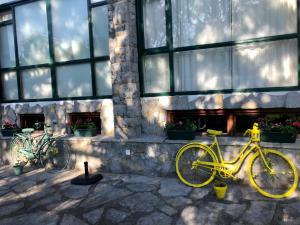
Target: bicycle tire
(57,156)
(16,156)
(198,176)
(282,183)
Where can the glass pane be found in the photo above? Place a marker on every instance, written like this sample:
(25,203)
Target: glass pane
(7,46)
(32,33)
(202,70)
(5,16)
(100,30)
(74,80)
(157,73)
(154,23)
(70,29)
(94,1)
(36,83)
(259,18)
(272,64)
(200,22)
(10,85)
(103,78)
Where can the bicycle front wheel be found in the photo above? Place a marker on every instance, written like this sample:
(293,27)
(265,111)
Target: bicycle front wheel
(280,182)
(195,176)
(15,154)
(57,156)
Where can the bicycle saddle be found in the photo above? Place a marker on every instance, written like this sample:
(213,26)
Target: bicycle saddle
(27,130)
(214,132)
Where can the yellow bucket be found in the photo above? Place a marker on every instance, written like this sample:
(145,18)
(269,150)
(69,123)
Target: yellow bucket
(220,190)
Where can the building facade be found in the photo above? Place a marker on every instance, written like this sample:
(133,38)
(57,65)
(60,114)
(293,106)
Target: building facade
(136,61)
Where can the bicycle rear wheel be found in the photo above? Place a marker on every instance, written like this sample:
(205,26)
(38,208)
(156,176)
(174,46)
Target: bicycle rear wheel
(15,154)
(57,156)
(279,184)
(196,176)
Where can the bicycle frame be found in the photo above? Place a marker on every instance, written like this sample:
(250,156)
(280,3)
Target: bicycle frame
(231,167)
(28,150)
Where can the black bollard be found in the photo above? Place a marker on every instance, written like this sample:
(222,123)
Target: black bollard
(86,169)
(87,178)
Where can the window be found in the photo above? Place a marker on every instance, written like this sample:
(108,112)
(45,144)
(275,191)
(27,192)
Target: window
(74,80)
(32,33)
(86,117)
(70,30)
(221,45)
(28,120)
(54,49)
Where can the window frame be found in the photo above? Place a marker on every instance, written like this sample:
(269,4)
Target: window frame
(52,65)
(169,49)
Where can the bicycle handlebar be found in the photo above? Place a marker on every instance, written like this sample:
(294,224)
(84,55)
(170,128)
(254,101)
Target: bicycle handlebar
(37,125)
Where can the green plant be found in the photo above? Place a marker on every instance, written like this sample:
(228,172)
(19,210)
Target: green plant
(188,125)
(278,123)
(7,125)
(79,124)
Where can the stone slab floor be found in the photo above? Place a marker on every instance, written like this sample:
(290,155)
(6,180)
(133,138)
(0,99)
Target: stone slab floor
(44,198)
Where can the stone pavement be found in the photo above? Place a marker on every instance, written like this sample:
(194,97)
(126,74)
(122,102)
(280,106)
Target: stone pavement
(43,198)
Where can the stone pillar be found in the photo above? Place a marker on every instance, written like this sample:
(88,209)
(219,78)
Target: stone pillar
(124,66)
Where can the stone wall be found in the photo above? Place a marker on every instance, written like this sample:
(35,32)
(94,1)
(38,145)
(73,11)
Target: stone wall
(154,114)
(58,111)
(124,64)
(148,156)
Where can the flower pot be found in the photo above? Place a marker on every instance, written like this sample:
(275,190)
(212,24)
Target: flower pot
(220,190)
(9,132)
(89,132)
(18,170)
(278,137)
(180,135)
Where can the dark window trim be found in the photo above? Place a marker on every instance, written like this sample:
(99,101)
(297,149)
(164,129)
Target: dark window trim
(53,64)
(168,49)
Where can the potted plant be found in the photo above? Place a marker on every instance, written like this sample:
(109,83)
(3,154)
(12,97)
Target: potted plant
(220,189)
(278,129)
(18,168)
(9,128)
(181,130)
(85,128)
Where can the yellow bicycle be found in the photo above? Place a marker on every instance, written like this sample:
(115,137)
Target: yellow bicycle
(270,172)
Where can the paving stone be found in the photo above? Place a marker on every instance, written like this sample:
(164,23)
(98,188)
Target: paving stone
(198,216)
(39,191)
(3,192)
(173,188)
(234,210)
(259,213)
(199,193)
(36,218)
(155,218)
(141,179)
(140,202)
(291,213)
(116,216)
(71,220)
(170,211)
(65,205)
(76,191)
(24,187)
(46,201)
(9,198)
(94,216)
(99,197)
(141,187)
(179,202)
(6,210)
